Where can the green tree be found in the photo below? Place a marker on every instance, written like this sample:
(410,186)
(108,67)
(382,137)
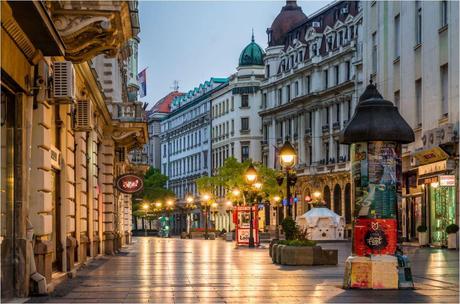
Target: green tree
(231,176)
(154,191)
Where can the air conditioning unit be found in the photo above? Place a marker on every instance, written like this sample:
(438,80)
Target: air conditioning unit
(55,156)
(64,82)
(83,116)
(429,138)
(316,24)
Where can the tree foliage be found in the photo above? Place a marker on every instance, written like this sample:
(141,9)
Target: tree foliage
(154,191)
(231,176)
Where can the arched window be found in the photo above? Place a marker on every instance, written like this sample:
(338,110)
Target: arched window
(348,216)
(327,196)
(337,199)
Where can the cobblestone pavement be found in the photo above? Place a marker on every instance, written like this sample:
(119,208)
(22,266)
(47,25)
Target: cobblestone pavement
(214,271)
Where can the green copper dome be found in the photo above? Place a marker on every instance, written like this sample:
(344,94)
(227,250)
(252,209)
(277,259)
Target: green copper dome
(252,54)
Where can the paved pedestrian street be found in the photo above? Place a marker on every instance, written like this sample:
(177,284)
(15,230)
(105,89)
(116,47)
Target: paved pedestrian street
(198,271)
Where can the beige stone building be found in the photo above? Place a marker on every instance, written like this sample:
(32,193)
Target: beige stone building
(62,147)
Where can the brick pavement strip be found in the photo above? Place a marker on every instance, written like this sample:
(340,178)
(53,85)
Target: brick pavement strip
(154,270)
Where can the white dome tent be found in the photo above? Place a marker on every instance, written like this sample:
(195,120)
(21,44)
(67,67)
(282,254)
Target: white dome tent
(322,224)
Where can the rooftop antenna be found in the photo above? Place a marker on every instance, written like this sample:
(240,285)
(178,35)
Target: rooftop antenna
(175,86)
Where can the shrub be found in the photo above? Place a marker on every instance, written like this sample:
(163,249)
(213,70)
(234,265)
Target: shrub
(298,243)
(422,228)
(452,228)
(289,228)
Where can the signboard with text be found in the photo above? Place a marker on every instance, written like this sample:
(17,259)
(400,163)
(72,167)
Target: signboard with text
(241,218)
(129,183)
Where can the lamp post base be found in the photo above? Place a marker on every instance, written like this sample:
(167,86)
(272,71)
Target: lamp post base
(377,272)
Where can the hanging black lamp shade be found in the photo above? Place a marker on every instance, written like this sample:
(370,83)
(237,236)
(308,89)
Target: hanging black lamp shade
(376,119)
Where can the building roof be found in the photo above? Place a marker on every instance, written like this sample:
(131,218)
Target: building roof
(252,54)
(291,16)
(164,105)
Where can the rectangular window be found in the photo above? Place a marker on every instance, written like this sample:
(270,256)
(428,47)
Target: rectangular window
(444,90)
(296,89)
(337,112)
(337,151)
(418,22)
(444,13)
(205,159)
(397,100)
(233,126)
(288,92)
(267,71)
(397,38)
(244,123)
(244,101)
(280,96)
(308,84)
(348,70)
(264,100)
(418,102)
(374,53)
(336,72)
(326,79)
(244,152)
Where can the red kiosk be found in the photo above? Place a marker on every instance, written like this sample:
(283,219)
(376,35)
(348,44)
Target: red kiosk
(241,219)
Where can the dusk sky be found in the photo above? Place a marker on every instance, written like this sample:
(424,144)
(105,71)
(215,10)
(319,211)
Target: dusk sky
(192,41)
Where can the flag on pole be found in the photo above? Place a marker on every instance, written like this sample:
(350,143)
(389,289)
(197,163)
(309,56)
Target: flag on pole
(142,82)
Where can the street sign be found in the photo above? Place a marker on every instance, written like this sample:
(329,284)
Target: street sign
(129,183)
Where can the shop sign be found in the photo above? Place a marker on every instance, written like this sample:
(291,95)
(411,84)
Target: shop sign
(129,183)
(447,180)
(432,155)
(432,168)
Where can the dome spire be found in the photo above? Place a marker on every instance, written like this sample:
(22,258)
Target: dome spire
(252,37)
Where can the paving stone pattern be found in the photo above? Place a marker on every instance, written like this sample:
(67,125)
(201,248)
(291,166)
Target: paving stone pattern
(154,270)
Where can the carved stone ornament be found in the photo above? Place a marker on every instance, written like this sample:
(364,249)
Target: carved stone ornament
(91,28)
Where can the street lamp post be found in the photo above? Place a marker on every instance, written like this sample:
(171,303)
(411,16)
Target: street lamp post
(288,157)
(189,206)
(145,207)
(277,219)
(251,178)
(206,198)
(229,210)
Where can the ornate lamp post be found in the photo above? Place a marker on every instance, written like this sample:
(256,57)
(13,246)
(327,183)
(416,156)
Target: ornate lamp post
(146,208)
(277,200)
(375,133)
(229,208)
(288,158)
(251,178)
(206,198)
(189,207)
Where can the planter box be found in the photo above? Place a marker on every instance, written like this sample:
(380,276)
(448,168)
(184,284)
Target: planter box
(329,257)
(291,255)
(278,253)
(196,234)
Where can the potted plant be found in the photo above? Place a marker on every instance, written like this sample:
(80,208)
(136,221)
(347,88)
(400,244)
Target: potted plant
(452,230)
(422,235)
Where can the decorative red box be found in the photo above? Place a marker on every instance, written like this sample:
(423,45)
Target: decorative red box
(375,236)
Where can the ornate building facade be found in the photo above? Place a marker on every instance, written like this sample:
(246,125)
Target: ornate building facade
(61,146)
(312,81)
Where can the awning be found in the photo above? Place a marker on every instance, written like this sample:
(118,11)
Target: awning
(431,155)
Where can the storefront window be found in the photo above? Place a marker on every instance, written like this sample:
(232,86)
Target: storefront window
(442,212)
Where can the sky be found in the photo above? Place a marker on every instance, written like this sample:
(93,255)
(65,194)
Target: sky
(192,41)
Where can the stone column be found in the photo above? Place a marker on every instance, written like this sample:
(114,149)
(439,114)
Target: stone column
(302,151)
(108,199)
(40,190)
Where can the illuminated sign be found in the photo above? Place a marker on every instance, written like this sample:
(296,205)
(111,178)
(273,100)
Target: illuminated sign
(129,183)
(447,180)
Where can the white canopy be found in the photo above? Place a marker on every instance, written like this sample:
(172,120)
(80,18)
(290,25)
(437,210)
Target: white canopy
(311,218)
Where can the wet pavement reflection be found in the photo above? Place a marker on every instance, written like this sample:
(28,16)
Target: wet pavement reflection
(158,270)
